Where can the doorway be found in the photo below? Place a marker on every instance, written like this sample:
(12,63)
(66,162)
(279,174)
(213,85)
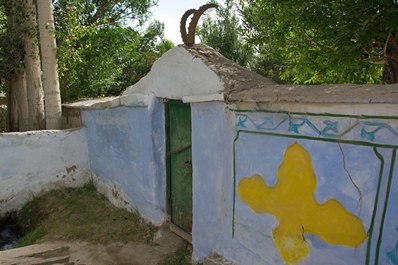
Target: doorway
(179,163)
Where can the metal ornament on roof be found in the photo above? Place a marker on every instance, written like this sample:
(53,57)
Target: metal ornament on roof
(189,38)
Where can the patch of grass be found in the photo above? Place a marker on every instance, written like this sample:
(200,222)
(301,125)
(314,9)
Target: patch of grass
(181,257)
(80,214)
(33,236)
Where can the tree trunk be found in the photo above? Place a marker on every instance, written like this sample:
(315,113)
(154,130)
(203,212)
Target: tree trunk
(17,98)
(49,65)
(33,69)
(12,107)
(390,71)
(19,86)
(11,94)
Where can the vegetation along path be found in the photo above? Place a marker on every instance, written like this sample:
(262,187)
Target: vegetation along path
(80,226)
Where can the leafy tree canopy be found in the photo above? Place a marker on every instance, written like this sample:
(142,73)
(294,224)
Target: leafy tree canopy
(113,58)
(98,54)
(3,28)
(320,41)
(10,43)
(224,34)
(106,12)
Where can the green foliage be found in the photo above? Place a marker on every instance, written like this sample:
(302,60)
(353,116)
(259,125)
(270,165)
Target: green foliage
(11,43)
(106,12)
(224,35)
(33,236)
(3,30)
(320,41)
(97,54)
(113,58)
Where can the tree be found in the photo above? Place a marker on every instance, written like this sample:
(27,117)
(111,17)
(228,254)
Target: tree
(20,66)
(76,20)
(33,68)
(98,54)
(3,33)
(49,65)
(224,35)
(5,73)
(13,69)
(113,59)
(325,41)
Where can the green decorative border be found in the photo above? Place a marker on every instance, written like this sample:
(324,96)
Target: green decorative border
(383,218)
(341,128)
(368,247)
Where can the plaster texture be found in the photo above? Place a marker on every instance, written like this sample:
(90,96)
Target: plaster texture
(127,155)
(212,156)
(376,109)
(354,162)
(33,162)
(176,74)
(242,126)
(341,93)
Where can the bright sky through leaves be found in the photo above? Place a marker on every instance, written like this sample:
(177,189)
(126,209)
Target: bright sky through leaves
(170,12)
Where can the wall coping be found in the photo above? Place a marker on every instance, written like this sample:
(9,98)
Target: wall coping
(334,93)
(130,100)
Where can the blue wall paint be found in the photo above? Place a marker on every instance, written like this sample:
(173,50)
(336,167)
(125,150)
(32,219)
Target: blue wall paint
(212,138)
(259,154)
(127,149)
(334,165)
(389,245)
(213,133)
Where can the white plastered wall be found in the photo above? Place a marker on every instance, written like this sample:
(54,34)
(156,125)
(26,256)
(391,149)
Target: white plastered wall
(178,74)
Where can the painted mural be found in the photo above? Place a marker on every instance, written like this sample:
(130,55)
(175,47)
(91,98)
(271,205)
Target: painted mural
(316,189)
(292,202)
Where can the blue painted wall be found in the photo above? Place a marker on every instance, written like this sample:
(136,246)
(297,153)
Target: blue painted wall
(127,152)
(354,162)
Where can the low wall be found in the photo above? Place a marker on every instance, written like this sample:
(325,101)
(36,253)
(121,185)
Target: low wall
(121,147)
(282,187)
(126,146)
(32,162)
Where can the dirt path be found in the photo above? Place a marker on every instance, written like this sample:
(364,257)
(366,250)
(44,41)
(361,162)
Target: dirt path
(82,253)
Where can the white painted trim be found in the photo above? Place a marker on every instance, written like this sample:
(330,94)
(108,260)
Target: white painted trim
(136,100)
(204,98)
(100,103)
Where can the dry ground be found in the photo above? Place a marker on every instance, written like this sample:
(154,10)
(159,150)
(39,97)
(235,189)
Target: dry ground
(81,227)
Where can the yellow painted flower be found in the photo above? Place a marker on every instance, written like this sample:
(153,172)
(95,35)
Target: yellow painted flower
(293,204)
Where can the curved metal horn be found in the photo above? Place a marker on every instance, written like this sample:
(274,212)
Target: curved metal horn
(190,38)
(183,24)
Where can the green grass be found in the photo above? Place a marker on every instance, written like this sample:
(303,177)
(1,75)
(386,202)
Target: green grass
(32,236)
(80,214)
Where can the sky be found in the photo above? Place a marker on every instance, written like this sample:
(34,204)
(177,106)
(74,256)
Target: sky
(170,12)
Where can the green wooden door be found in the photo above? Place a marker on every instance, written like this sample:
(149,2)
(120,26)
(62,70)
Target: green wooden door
(179,163)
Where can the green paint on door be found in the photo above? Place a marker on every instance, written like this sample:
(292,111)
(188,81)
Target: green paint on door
(179,163)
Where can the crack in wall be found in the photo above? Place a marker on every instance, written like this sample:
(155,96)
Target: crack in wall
(351,179)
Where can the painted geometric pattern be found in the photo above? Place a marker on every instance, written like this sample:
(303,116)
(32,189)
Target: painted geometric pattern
(377,131)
